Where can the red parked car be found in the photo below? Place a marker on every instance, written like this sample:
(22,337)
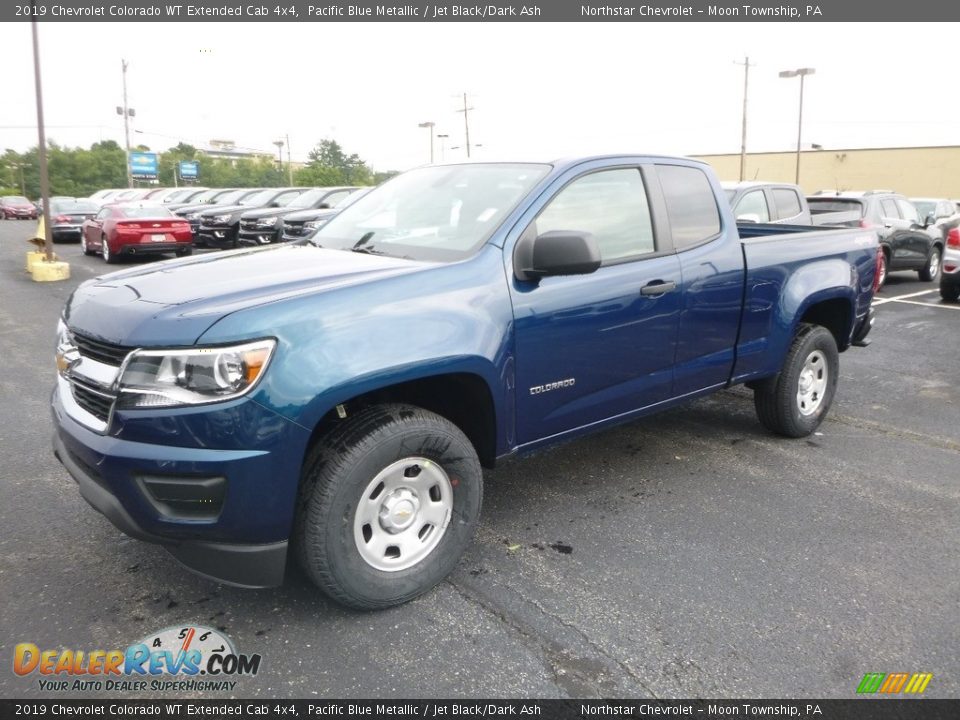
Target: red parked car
(135,229)
(14,207)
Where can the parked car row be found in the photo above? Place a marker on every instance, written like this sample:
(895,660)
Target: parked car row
(912,232)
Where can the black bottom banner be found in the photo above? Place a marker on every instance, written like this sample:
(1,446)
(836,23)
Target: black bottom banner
(868,709)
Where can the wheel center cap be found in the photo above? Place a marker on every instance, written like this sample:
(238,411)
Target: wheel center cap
(399,510)
(806,382)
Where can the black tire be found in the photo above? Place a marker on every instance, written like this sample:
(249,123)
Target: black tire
(108,257)
(776,399)
(950,291)
(931,271)
(84,248)
(339,470)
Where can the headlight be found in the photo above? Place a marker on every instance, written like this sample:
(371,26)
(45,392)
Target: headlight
(167,378)
(315,224)
(66,351)
(267,222)
(222,219)
(193,215)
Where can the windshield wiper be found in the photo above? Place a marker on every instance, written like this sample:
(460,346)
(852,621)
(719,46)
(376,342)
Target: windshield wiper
(363,240)
(367,250)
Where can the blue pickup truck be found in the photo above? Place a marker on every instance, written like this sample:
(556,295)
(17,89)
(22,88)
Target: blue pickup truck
(338,398)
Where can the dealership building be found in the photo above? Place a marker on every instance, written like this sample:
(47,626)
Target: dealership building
(913,171)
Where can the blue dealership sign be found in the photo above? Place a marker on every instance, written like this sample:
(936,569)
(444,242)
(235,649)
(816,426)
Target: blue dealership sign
(189,169)
(143,165)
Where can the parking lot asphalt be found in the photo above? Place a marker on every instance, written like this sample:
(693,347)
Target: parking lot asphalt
(688,554)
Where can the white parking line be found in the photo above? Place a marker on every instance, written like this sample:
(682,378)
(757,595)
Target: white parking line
(933,305)
(901,297)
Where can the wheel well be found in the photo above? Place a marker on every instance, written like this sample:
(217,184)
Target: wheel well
(834,315)
(462,398)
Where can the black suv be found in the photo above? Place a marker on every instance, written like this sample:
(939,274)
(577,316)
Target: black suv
(262,227)
(219,226)
(908,242)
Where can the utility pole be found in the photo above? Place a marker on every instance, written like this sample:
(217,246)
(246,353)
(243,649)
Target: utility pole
(126,121)
(466,122)
(289,162)
(743,133)
(42,137)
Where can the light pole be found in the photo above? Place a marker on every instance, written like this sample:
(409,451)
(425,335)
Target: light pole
(743,129)
(279,144)
(127,112)
(801,73)
(443,146)
(14,167)
(429,124)
(42,138)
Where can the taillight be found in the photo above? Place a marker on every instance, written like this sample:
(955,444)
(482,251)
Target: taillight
(865,225)
(953,238)
(876,269)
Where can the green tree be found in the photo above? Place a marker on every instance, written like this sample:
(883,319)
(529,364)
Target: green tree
(328,164)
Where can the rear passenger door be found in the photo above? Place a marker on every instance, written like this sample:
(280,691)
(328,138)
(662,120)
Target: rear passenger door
(711,265)
(592,347)
(788,206)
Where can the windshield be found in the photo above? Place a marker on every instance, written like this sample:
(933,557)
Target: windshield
(308,199)
(179,195)
(73,206)
(145,211)
(232,198)
(15,200)
(440,213)
(259,199)
(925,207)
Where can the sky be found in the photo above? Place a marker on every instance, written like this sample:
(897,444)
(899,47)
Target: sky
(538,90)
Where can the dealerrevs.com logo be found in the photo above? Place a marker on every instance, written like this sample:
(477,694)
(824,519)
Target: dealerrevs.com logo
(175,659)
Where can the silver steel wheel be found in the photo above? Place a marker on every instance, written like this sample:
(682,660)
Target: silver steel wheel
(882,271)
(403,514)
(105,249)
(83,243)
(812,383)
(934,267)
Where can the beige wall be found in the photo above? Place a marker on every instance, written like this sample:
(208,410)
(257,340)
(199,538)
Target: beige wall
(915,172)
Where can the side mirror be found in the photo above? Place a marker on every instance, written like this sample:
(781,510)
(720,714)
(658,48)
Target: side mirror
(748,218)
(558,252)
(324,206)
(929,220)
(274,204)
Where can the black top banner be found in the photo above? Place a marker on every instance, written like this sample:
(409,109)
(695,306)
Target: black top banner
(858,11)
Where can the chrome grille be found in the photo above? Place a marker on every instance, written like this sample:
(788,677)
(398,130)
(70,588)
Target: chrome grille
(105,352)
(96,402)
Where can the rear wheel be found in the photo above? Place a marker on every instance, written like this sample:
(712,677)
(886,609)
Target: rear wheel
(83,244)
(108,257)
(931,271)
(950,291)
(794,402)
(389,502)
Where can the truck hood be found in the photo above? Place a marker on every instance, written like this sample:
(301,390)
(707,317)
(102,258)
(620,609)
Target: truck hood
(260,213)
(225,210)
(307,215)
(174,302)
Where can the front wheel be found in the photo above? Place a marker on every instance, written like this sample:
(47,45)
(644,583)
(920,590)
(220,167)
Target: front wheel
(931,271)
(794,402)
(389,502)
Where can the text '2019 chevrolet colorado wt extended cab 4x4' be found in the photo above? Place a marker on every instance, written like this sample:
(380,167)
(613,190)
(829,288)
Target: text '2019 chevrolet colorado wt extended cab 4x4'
(338,398)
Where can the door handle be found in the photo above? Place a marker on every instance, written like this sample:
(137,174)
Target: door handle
(658,287)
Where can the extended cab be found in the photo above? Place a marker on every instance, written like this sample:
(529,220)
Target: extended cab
(339,397)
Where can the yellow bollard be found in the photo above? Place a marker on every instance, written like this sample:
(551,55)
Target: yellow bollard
(38,267)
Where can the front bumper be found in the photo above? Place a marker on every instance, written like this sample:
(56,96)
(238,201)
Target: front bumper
(244,541)
(217,236)
(257,236)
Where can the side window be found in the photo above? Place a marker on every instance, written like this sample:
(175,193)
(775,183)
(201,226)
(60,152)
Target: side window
(103,214)
(333,198)
(286,198)
(888,209)
(691,205)
(787,202)
(753,206)
(908,211)
(612,205)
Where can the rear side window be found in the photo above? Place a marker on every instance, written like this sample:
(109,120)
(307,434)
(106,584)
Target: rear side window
(908,211)
(612,206)
(787,202)
(691,206)
(888,208)
(753,206)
